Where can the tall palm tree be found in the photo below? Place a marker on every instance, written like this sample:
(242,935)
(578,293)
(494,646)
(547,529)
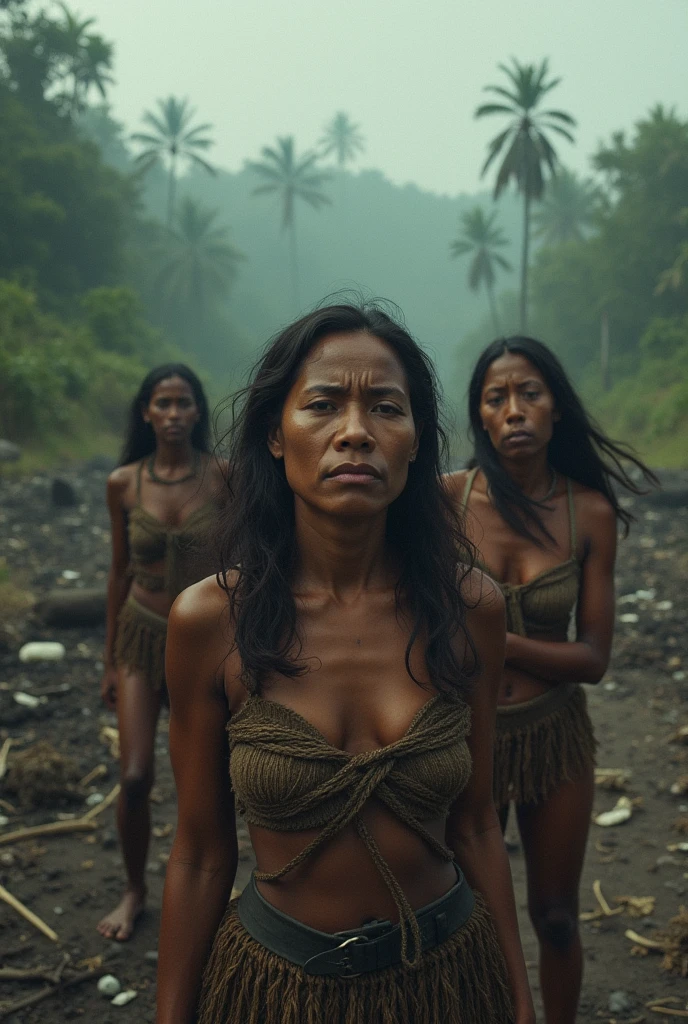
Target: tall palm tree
(198,263)
(173,138)
(343,138)
(86,58)
(481,238)
(568,208)
(292,177)
(528,154)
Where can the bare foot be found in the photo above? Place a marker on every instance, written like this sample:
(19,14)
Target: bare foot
(120,923)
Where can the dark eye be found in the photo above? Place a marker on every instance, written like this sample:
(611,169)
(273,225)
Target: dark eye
(322,405)
(532,395)
(493,400)
(387,408)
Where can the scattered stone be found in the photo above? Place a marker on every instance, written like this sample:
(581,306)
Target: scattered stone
(109,986)
(42,650)
(9,452)
(94,799)
(62,493)
(26,700)
(124,997)
(152,955)
(619,1002)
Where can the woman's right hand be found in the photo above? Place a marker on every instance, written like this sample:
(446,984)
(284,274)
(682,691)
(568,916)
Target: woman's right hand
(108,687)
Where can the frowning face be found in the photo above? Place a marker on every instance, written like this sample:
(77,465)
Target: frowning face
(517,408)
(172,411)
(347,433)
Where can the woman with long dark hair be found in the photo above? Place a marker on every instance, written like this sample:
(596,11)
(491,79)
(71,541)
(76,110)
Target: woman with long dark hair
(162,498)
(338,681)
(541,508)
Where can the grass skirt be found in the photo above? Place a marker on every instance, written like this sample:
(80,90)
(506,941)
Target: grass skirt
(140,641)
(463,981)
(542,743)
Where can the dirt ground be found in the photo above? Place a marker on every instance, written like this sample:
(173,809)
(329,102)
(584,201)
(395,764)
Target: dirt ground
(70,880)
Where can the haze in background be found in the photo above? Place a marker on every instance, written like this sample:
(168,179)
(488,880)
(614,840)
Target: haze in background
(410,73)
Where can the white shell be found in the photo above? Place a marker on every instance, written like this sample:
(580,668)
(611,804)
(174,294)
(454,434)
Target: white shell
(26,700)
(42,650)
(124,997)
(109,986)
(622,812)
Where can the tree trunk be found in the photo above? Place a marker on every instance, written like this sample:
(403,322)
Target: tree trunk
(171,189)
(294,264)
(524,259)
(604,350)
(493,309)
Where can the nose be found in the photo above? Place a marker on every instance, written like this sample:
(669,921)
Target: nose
(354,432)
(514,412)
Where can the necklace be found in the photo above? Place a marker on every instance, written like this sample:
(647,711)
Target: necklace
(552,488)
(181,480)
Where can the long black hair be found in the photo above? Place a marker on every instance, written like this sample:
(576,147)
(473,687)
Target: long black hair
(257,534)
(140,438)
(578,449)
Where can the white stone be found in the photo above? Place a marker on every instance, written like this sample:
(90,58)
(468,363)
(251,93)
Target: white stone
(42,650)
(109,986)
(124,997)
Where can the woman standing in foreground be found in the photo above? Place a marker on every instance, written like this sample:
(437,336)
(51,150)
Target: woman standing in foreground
(344,677)
(543,514)
(162,499)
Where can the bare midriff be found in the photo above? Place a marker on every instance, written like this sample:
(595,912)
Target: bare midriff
(341,888)
(517,685)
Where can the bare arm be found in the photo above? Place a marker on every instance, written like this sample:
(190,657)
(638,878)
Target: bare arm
(203,861)
(118,580)
(473,830)
(586,659)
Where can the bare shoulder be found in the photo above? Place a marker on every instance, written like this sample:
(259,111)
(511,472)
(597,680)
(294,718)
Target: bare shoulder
(455,483)
(594,512)
(120,483)
(199,611)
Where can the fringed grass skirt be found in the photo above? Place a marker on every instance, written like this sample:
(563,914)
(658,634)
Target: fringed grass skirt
(140,641)
(463,981)
(542,743)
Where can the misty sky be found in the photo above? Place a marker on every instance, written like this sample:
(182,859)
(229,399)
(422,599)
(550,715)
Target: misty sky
(411,73)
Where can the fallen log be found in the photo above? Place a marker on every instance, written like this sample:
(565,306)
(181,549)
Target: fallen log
(68,608)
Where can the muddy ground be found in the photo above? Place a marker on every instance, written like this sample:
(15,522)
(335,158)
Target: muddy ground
(71,880)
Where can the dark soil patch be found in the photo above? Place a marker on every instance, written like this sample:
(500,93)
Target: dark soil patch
(72,880)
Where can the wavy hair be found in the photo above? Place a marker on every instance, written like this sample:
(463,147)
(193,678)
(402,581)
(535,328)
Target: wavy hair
(578,449)
(257,531)
(139,440)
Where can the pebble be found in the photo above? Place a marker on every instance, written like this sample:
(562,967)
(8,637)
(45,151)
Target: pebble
(94,799)
(26,700)
(58,910)
(109,986)
(151,954)
(124,997)
(42,650)
(4,820)
(619,1002)
(629,617)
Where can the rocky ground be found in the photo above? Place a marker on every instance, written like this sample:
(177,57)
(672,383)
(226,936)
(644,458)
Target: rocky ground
(70,879)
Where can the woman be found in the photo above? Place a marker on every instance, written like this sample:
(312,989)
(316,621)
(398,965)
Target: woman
(354,664)
(542,511)
(162,499)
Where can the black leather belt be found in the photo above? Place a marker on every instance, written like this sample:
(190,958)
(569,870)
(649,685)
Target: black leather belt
(371,947)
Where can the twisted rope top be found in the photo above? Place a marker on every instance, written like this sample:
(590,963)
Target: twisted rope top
(287,777)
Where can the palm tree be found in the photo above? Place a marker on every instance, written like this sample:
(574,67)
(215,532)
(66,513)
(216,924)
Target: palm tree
(86,58)
(481,238)
(529,153)
(343,138)
(568,208)
(292,178)
(198,263)
(174,138)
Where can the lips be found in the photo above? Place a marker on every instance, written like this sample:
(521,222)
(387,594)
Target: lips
(354,472)
(519,435)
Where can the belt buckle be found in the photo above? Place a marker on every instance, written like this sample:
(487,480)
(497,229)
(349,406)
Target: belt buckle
(346,964)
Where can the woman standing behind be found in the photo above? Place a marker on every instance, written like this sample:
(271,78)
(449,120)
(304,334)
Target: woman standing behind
(162,499)
(543,514)
(352,663)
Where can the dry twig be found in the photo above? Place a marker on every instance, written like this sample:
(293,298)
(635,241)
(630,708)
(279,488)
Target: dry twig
(27,914)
